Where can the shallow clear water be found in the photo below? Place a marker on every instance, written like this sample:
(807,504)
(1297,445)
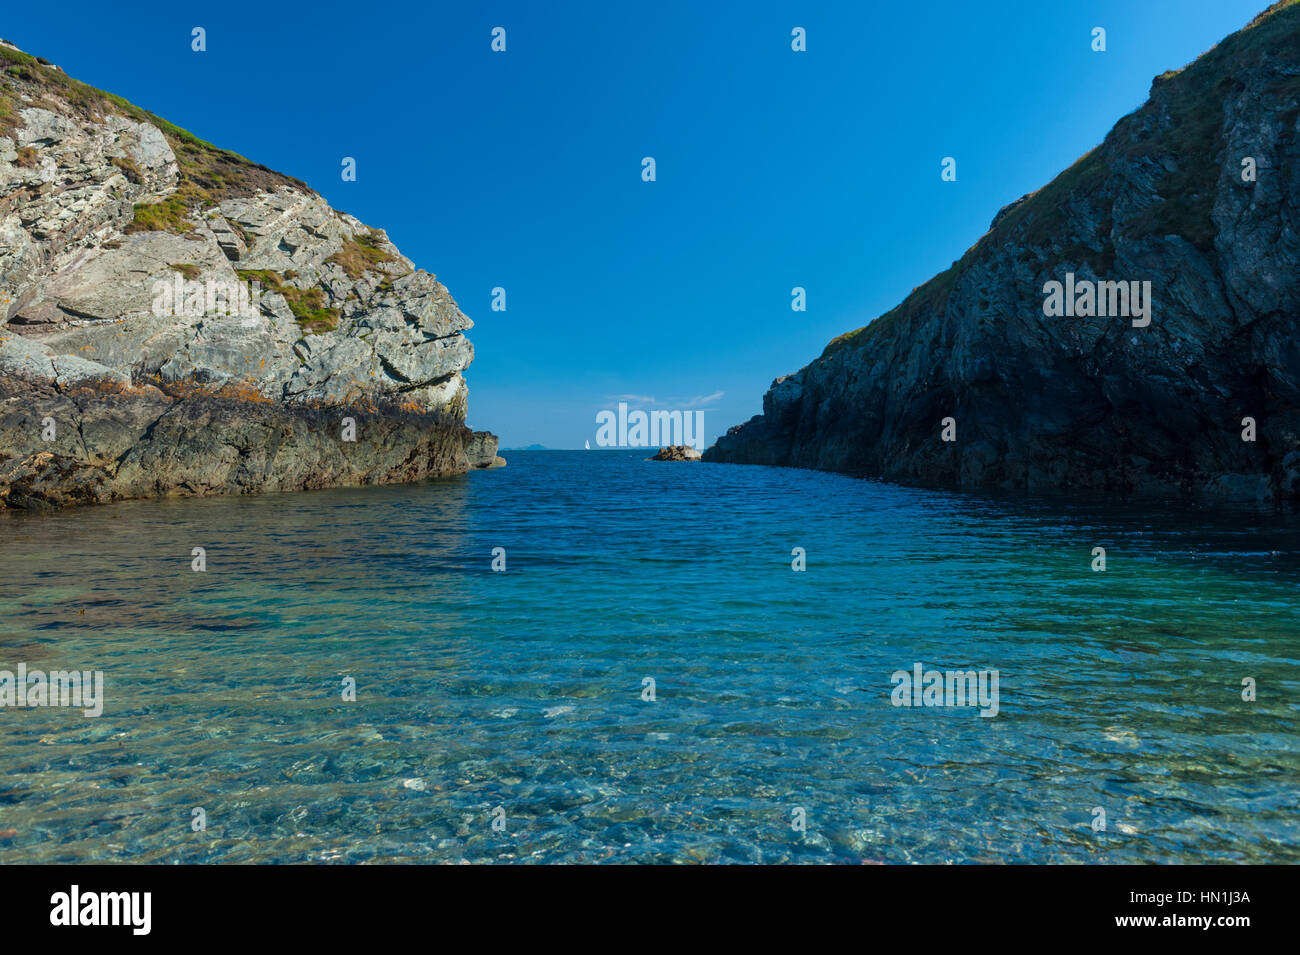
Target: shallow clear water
(523,690)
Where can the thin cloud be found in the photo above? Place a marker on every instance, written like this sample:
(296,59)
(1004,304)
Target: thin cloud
(707,399)
(687,402)
(699,399)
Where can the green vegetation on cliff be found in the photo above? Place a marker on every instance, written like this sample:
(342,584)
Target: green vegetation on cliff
(308,305)
(207,173)
(219,173)
(1186,106)
(361,254)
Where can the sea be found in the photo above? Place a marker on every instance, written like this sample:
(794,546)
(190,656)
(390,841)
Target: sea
(590,657)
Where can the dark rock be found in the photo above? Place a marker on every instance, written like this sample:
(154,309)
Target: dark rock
(1095,404)
(113,444)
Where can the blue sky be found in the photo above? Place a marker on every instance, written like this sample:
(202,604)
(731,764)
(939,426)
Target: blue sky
(522,169)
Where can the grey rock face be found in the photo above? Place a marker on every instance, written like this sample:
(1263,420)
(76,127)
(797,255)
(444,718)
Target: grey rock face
(134,308)
(481,449)
(1093,403)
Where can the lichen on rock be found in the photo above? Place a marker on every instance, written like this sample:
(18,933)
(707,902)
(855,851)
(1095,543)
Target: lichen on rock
(104,208)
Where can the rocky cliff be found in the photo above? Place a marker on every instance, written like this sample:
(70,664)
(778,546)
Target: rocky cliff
(1197,193)
(175,319)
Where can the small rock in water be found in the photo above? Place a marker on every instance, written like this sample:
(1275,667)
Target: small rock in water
(677,452)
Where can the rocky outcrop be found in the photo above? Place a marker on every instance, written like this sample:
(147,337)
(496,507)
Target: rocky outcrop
(190,322)
(94,441)
(677,452)
(481,449)
(970,383)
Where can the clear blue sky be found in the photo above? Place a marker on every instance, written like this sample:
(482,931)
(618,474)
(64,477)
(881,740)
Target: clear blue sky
(523,169)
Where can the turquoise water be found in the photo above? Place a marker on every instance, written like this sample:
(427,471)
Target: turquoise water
(522,691)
